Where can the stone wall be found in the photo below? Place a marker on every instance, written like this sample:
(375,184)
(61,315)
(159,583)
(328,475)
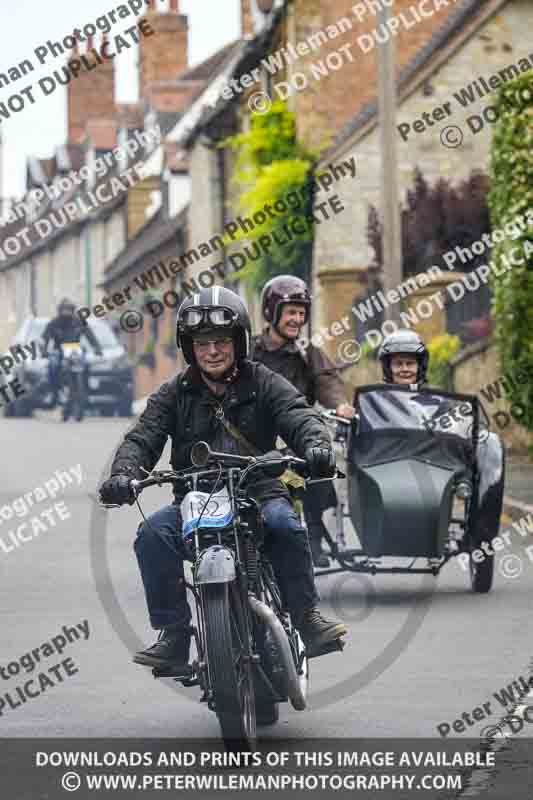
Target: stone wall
(504,39)
(327,104)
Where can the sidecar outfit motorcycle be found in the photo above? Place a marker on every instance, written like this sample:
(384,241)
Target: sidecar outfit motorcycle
(425,481)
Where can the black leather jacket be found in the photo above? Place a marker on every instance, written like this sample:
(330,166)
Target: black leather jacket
(68,329)
(259,403)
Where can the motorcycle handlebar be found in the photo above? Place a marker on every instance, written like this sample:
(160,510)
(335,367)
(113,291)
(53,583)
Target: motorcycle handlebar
(203,453)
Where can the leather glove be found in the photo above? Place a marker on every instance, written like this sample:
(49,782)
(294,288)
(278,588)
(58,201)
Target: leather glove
(320,461)
(117,491)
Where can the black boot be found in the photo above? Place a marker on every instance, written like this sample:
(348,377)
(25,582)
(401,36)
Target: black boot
(319,635)
(170,650)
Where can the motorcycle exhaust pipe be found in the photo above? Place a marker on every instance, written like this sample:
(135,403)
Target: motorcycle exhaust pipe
(280,637)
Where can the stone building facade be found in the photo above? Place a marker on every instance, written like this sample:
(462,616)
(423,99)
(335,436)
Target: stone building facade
(487,41)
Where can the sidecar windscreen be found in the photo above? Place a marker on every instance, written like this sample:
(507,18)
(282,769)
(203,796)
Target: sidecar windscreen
(396,423)
(403,462)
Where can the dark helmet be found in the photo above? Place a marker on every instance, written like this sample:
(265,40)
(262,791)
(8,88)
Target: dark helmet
(280,291)
(66,305)
(214,310)
(404,341)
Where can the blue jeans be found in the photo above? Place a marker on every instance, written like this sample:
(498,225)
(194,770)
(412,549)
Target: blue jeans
(160,555)
(55,362)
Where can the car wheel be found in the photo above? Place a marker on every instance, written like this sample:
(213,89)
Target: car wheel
(19,408)
(482,574)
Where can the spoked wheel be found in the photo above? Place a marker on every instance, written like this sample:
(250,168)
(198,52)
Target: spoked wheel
(481,574)
(230,673)
(65,400)
(74,398)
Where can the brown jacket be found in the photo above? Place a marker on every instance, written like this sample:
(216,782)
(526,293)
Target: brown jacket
(312,373)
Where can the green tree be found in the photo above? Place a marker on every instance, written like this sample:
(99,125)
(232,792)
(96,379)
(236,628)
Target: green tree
(511,197)
(273,167)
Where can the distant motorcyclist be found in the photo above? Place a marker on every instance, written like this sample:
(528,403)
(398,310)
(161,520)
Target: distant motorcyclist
(229,402)
(286,305)
(65,327)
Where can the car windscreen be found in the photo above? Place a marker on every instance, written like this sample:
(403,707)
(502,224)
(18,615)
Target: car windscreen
(104,334)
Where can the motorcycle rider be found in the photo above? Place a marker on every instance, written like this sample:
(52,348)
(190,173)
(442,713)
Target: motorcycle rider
(221,387)
(65,327)
(404,360)
(286,305)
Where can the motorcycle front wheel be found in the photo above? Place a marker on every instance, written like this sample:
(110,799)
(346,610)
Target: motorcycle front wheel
(230,672)
(76,398)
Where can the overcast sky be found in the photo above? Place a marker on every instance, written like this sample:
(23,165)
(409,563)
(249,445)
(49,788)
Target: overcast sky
(37,129)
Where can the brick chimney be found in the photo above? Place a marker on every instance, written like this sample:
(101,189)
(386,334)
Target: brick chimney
(163,55)
(91,95)
(253,16)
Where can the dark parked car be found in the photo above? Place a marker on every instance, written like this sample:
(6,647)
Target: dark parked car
(110,381)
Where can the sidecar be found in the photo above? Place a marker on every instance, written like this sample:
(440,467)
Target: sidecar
(425,482)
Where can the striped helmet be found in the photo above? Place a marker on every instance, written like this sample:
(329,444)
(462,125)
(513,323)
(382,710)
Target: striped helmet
(213,310)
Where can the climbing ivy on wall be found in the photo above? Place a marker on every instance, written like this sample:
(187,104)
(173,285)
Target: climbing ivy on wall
(511,199)
(273,168)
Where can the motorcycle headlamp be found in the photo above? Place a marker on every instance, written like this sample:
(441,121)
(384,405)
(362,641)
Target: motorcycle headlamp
(198,317)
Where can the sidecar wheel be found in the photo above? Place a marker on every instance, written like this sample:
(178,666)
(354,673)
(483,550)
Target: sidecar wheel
(482,574)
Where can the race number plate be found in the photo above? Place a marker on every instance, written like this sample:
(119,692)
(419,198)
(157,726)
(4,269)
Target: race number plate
(71,348)
(216,514)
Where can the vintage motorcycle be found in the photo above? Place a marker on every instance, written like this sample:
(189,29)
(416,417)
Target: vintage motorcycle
(72,395)
(73,386)
(249,655)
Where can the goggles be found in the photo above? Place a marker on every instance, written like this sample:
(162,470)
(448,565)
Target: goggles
(197,317)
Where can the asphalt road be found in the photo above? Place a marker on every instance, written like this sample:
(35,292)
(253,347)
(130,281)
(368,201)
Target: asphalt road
(421,651)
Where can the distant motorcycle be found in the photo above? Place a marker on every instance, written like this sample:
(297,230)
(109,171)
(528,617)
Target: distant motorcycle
(73,390)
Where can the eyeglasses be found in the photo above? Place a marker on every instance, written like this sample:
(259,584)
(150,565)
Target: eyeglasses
(207,316)
(219,344)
